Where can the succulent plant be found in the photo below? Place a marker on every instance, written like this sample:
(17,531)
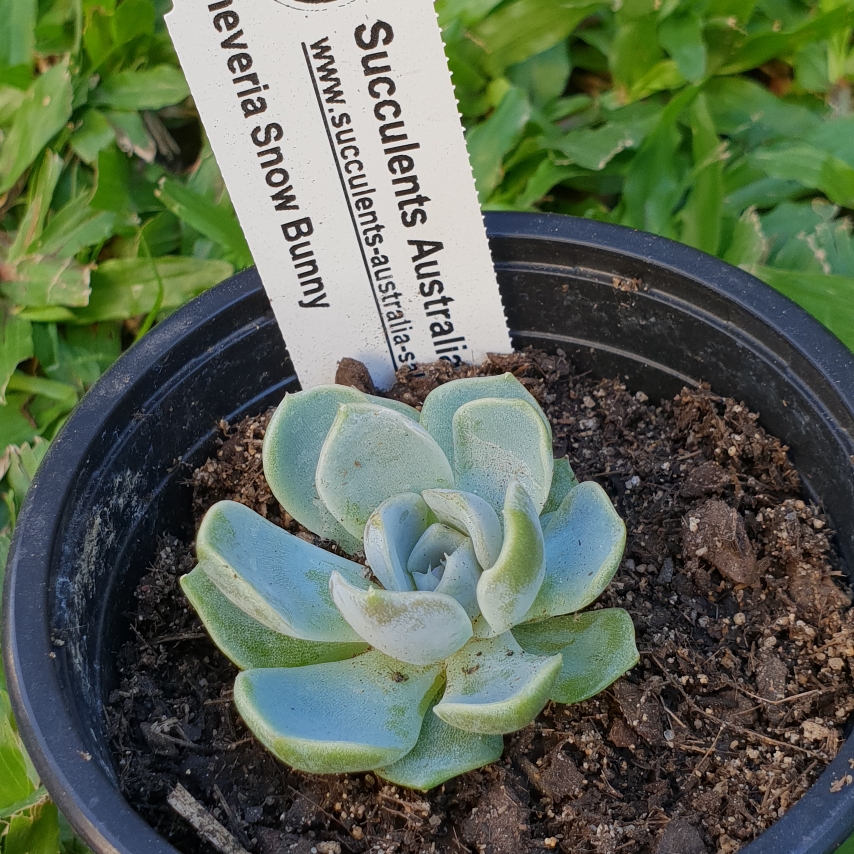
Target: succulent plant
(482,550)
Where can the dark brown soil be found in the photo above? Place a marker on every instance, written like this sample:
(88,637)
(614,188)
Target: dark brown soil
(745,631)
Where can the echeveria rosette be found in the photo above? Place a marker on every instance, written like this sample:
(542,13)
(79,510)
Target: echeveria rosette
(484,548)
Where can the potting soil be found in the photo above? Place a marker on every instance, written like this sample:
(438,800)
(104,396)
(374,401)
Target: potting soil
(741,696)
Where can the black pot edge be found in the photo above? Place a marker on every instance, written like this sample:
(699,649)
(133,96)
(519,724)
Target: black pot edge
(817,345)
(55,733)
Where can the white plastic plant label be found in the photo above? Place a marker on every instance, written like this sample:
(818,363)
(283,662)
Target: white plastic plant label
(336,128)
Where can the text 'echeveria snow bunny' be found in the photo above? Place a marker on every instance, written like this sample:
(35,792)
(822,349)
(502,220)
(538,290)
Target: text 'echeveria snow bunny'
(482,550)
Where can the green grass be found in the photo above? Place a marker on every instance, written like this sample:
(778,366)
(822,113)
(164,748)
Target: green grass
(726,124)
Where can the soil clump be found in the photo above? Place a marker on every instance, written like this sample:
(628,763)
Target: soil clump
(739,701)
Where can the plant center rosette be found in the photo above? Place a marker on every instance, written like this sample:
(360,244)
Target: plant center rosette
(482,550)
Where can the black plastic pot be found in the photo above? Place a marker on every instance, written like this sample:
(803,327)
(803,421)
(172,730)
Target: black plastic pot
(114,478)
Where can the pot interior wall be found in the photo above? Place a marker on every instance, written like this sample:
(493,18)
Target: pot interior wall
(135,489)
(616,314)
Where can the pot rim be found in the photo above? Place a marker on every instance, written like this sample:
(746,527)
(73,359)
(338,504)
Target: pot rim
(51,731)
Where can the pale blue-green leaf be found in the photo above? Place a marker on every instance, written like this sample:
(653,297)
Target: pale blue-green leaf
(396,406)
(42,114)
(391,533)
(584,544)
(249,643)
(93,135)
(370,454)
(426,581)
(469,513)
(508,589)
(597,647)
(563,480)
(344,716)
(420,628)
(481,628)
(16,345)
(494,687)
(441,753)
(278,579)
(431,549)
(437,413)
(147,89)
(292,446)
(459,580)
(497,442)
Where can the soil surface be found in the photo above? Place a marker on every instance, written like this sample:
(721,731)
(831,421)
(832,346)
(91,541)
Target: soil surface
(744,685)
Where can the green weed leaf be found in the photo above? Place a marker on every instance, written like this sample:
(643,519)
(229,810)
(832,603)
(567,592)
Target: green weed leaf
(17,35)
(151,89)
(489,142)
(16,345)
(217,224)
(42,113)
(127,287)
